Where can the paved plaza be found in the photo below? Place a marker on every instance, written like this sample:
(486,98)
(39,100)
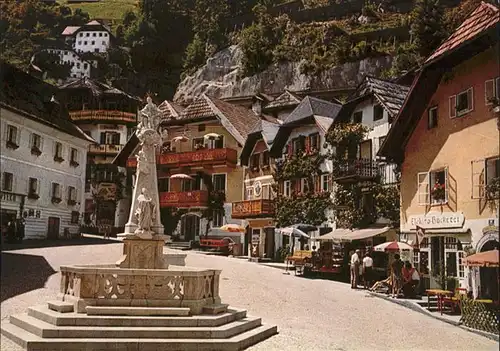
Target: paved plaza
(310,314)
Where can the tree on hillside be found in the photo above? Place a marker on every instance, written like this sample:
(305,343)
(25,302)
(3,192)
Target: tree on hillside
(427,26)
(27,26)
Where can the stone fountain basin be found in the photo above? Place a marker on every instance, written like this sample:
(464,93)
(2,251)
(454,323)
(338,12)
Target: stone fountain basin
(109,285)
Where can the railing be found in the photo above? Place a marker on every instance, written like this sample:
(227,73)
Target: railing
(105,149)
(182,199)
(388,173)
(103,115)
(252,208)
(362,168)
(199,157)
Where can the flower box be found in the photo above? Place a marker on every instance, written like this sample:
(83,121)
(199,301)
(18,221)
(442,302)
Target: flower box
(73,163)
(12,145)
(438,192)
(71,202)
(56,200)
(493,189)
(58,159)
(36,151)
(33,196)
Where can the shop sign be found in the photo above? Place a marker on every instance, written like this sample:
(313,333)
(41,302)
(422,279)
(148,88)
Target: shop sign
(437,220)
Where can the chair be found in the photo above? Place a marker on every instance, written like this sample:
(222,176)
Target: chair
(454,301)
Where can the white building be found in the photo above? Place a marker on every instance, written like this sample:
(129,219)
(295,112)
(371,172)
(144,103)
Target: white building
(79,67)
(42,160)
(91,37)
(304,130)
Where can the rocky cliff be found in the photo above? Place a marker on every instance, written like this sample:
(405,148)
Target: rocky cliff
(220,77)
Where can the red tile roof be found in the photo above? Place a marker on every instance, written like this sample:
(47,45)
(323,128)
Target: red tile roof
(482,18)
(170,109)
(198,109)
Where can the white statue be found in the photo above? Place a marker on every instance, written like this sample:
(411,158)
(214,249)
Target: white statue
(145,213)
(142,162)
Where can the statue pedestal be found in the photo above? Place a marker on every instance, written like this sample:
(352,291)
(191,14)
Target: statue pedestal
(143,253)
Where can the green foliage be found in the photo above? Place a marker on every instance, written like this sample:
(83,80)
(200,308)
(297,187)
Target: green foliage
(369,10)
(405,58)
(299,166)
(306,208)
(170,218)
(50,63)
(427,26)
(387,202)
(27,26)
(195,54)
(345,139)
(493,189)
(347,207)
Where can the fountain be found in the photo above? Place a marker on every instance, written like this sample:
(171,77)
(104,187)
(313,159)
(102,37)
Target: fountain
(147,300)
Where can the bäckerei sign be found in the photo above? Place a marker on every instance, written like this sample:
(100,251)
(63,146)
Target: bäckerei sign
(437,220)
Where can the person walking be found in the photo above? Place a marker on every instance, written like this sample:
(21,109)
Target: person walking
(397,275)
(355,269)
(367,270)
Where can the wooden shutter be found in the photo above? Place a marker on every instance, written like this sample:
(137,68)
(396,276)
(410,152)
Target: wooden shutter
(470,98)
(478,178)
(453,106)
(489,91)
(423,188)
(446,185)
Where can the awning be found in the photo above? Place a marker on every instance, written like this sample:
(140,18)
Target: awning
(483,259)
(356,234)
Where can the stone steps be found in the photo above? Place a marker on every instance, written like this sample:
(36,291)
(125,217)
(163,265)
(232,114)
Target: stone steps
(32,342)
(80,319)
(43,329)
(46,330)
(135,311)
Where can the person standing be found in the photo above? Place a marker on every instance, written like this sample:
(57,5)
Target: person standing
(397,275)
(355,269)
(367,270)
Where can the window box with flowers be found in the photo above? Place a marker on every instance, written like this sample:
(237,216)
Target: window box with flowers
(71,202)
(73,163)
(36,151)
(493,188)
(12,145)
(56,199)
(438,192)
(58,159)
(33,196)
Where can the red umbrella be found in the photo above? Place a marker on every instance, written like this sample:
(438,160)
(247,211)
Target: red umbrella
(393,246)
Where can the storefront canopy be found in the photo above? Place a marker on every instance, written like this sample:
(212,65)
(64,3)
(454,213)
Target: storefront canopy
(348,235)
(483,259)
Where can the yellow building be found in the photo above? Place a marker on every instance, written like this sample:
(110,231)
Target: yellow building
(198,162)
(447,139)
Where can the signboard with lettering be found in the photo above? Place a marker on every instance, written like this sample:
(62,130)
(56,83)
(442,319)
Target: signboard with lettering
(437,220)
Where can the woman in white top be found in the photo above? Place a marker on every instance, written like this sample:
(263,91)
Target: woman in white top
(367,270)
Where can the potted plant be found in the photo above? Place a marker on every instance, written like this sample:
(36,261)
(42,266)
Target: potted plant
(493,189)
(438,192)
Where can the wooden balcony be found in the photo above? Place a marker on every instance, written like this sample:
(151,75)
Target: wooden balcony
(184,199)
(356,170)
(252,209)
(200,158)
(103,115)
(105,149)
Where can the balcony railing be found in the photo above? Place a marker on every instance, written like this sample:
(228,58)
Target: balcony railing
(388,173)
(199,157)
(205,157)
(103,115)
(105,149)
(359,169)
(184,199)
(252,208)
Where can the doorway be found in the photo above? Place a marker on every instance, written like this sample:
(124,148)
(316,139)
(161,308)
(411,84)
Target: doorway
(269,248)
(190,227)
(53,228)
(488,276)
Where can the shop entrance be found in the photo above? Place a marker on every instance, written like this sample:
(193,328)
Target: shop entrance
(190,227)
(53,228)
(269,249)
(489,275)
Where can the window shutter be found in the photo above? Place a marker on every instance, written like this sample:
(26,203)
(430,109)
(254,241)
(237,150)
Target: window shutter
(308,143)
(423,188)
(489,91)
(453,106)
(478,170)
(470,98)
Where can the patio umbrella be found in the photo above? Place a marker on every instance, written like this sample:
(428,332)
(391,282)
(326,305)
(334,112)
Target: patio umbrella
(305,227)
(483,259)
(181,176)
(181,138)
(295,232)
(234,228)
(211,136)
(393,246)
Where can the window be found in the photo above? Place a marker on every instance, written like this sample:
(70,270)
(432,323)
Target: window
(71,195)
(85,42)
(492,168)
(219,182)
(75,216)
(58,151)
(95,50)
(249,193)
(491,90)
(85,65)
(78,65)
(325,182)
(103,43)
(33,188)
(87,34)
(218,218)
(94,34)
(12,137)
(304,185)
(287,188)
(56,192)
(79,42)
(254,162)
(8,181)
(314,142)
(100,34)
(74,157)
(80,34)
(265,159)
(298,145)
(432,117)
(105,34)
(93,42)
(357,117)
(438,186)
(216,143)
(461,103)
(378,112)
(163,185)
(198,143)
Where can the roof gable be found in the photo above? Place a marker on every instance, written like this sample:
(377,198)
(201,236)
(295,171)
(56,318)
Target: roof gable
(97,88)
(481,19)
(311,106)
(287,99)
(170,110)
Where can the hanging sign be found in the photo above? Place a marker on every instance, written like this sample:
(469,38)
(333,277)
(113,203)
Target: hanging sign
(437,220)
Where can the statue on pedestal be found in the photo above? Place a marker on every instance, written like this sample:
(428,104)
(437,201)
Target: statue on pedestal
(146,214)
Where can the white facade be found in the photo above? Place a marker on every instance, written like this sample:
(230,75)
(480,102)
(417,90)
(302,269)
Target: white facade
(79,68)
(91,41)
(24,168)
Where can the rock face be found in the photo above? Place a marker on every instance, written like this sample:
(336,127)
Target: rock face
(220,77)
